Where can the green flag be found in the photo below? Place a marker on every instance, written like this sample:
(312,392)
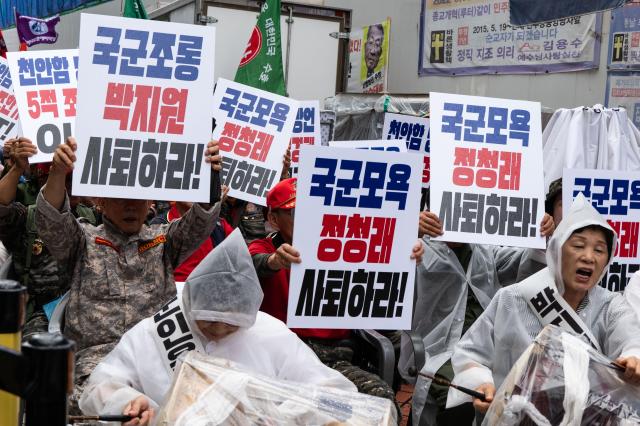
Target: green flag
(134,9)
(261,64)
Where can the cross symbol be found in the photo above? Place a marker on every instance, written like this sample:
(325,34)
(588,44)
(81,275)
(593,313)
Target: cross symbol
(617,46)
(437,41)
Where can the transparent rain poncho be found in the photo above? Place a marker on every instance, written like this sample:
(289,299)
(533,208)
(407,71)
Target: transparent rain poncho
(212,391)
(224,287)
(561,380)
(442,287)
(491,346)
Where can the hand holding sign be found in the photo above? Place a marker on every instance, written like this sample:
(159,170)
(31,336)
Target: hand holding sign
(212,156)
(284,256)
(21,150)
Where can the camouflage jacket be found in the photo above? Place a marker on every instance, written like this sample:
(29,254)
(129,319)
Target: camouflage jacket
(34,267)
(116,280)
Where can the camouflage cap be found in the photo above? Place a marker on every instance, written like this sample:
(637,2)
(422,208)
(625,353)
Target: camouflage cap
(555,188)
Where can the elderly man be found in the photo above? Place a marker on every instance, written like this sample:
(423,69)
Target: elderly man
(217,314)
(578,254)
(373,47)
(121,271)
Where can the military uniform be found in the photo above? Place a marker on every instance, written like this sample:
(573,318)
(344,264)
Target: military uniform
(33,265)
(116,280)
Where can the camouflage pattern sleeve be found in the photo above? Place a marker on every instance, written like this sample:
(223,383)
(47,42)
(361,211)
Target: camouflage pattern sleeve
(59,230)
(186,234)
(12,222)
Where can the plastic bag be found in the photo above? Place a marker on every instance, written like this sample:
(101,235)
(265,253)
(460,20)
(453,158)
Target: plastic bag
(212,391)
(561,380)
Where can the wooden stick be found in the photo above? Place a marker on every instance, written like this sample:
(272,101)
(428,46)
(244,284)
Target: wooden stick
(114,418)
(482,397)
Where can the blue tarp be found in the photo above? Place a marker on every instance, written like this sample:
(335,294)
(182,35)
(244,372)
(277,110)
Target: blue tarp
(39,8)
(525,12)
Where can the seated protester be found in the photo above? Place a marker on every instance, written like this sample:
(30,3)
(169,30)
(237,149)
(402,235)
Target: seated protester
(121,271)
(577,256)
(249,217)
(220,304)
(454,285)
(33,266)
(221,230)
(272,257)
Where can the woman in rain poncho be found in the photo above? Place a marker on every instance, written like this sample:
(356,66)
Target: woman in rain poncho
(217,314)
(565,294)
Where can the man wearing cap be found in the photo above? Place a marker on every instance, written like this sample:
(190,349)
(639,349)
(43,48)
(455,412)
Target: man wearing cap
(272,257)
(46,280)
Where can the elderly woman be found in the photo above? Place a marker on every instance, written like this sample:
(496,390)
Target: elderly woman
(217,315)
(566,294)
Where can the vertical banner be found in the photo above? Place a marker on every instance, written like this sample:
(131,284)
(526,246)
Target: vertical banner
(415,132)
(623,90)
(306,131)
(45,89)
(616,196)
(142,120)
(372,145)
(358,219)
(369,58)
(487,181)
(8,105)
(624,38)
(254,129)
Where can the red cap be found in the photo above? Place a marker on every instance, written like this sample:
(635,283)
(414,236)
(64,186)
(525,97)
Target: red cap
(283,195)
(43,168)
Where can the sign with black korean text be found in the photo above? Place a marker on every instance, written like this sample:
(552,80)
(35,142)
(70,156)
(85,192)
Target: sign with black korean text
(616,196)
(358,221)
(306,131)
(45,90)
(372,145)
(487,181)
(8,105)
(142,118)
(254,129)
(414,131)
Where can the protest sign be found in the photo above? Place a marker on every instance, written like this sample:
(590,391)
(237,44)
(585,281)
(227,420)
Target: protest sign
(369,58)
(45,87)
(616,196)
(254,129)
(372,145)
(475,37)
(414,131)
(357,221)
(306,131)
(142,123)
(8,105)
(487,181)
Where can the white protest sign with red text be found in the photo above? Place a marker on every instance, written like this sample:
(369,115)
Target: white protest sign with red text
(356,221)
(486,171)
(8,105)
(306,131)
(45,88)
(254,129)
(415,132)
(142,118)
(616,196)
